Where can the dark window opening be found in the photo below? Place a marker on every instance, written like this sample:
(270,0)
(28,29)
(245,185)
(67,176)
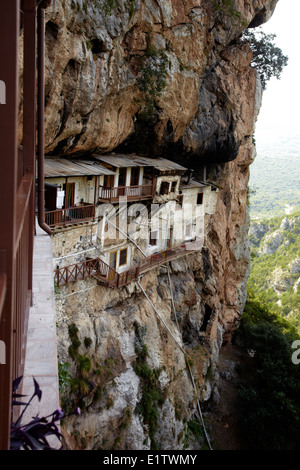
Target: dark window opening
(153,238)
(135,176)
(164,188)
(123,257)
(173,187)
(107,181)
(122,176)
(180,202)
(206,318)
(200,198)
(90,177)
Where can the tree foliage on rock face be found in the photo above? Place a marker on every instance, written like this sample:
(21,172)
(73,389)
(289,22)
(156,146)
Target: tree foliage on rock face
(268,59)
(270,399)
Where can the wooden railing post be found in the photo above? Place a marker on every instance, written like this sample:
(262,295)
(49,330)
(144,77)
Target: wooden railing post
(112,277)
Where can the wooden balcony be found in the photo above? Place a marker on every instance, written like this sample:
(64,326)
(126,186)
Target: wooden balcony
(15,298)
(99,269)
(86,269)
(132,193)
(17,187)
(70,215)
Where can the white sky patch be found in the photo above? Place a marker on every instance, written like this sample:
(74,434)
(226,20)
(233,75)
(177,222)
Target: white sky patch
(281,99)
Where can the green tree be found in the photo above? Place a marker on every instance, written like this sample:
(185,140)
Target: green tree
(268,59)
(270,398)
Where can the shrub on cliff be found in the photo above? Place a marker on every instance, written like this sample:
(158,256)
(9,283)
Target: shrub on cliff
(268,59)
(270,399)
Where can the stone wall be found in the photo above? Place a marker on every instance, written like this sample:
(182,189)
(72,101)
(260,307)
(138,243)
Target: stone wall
(72,244)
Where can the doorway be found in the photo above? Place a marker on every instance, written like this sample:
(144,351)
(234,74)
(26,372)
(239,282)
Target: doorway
(113,260)
(50,197)
(69,189)
(169,237)
(135,176)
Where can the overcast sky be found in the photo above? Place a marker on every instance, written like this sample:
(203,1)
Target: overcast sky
(281,101)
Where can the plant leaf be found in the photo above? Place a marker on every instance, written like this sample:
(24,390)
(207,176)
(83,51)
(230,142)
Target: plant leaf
(37,390)
(16,383)
(16,402)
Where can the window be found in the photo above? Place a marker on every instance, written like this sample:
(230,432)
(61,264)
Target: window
(173,187)
(123,257)
(164,188)
(180,202)
(122,176)
(135,176)
(200,198)
(153,238)
(107,181)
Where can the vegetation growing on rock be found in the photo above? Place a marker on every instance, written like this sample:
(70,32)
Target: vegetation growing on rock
(152,395)
(268,59)
(270,399)
(275,270)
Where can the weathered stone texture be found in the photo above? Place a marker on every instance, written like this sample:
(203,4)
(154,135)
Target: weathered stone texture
(92,98)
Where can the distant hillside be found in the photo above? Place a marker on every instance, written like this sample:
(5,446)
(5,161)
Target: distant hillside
(275,270)
(274,175)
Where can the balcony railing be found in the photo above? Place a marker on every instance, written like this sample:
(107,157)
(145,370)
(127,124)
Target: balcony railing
(86,269)
(98,268)
(23,276)
(71,215)
(131,192)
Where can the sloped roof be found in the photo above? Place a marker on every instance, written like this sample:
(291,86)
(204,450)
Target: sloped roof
(192,184)
(56,167)
(120,160)
(161,164)
(196,184)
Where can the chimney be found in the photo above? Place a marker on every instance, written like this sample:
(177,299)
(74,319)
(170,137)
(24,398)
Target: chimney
(190,175)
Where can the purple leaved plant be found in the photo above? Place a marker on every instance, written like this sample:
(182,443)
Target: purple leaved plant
(33,435)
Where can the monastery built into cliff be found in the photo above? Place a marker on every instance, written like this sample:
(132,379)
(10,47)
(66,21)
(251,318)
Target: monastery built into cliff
(115,216)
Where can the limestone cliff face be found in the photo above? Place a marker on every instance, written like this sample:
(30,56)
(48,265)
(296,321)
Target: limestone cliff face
(100,61)
(94,52)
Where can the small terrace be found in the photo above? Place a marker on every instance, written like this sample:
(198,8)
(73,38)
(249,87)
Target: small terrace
(132,193)
(82,212)
(103,272)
